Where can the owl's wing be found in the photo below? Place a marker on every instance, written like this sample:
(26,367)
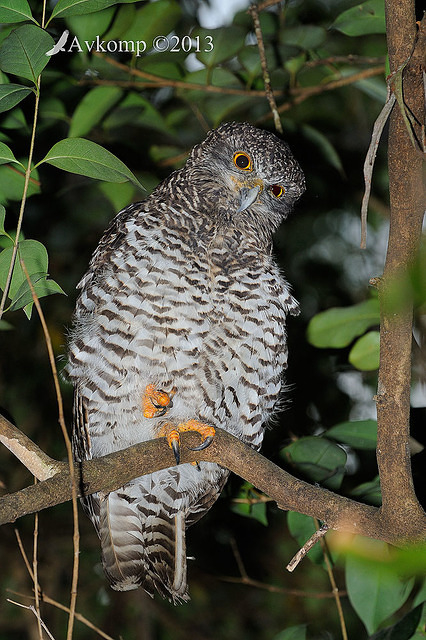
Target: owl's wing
(82,451)
(111,240)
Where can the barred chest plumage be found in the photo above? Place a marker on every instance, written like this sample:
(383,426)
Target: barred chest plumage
(183,311)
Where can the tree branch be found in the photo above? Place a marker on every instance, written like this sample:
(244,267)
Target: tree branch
(407,206)
(31,456)
(114,470)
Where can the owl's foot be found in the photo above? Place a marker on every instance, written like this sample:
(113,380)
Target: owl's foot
(155,402)
(173,437)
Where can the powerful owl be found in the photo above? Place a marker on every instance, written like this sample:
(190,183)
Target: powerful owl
(180,325)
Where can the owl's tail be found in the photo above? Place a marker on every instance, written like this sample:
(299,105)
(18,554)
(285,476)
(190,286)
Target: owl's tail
(143,549)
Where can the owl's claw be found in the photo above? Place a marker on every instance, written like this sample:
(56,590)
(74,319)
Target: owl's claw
(156,402)
(173,437)
(174,443)
(203,445)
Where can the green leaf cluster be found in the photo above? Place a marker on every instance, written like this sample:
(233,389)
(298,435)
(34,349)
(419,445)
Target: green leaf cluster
(338,327)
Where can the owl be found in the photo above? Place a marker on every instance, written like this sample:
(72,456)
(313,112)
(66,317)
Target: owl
(180,325)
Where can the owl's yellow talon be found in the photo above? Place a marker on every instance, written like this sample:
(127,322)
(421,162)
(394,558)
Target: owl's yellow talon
(155,402)
(173,438)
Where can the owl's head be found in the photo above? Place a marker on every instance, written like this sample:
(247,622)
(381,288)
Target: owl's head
(246,174)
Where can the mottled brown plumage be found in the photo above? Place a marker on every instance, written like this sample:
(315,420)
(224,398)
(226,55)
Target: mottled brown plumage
(182,294)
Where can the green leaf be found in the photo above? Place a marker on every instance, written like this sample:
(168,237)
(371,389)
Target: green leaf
(404,629)
(250,60)
(42,287)
(81,7)
(135,110)
(298,632)
(168,69)
(324,145)
(365,354)
(11,94)
(220,108)
(15,119)
(369,492)
(218,77)
(153,19)
(12,182)
(15,11)
(174,155)
(305,36)
(23,53)
(255,510)
(92,108)
(6,155)
(123,20)
(374,591)
(302,528)
(374,88)
(367,17)
(226,42)
(34,255)
(53,109)
(118,194)
(87,158)
(87,27)
(337,327)
(321,460)
(360,434)
(5,326)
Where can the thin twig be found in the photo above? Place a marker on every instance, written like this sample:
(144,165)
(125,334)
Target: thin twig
(76,534)
(36,183)
(303,93)
(370,159)
(37,615)
(245,579)
(307,547)
(37,588)
(335,590)
(272,588)
(239,560)
(47,600)
(349,59)
(254,12)
(251,501)
(158,81)
(24,555)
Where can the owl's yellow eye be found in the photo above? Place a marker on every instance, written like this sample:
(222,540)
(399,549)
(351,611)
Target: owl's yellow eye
(243,161)
(277,190)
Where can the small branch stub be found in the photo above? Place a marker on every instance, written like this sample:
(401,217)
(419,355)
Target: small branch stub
(320,533)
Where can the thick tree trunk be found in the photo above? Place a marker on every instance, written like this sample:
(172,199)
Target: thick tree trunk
(407,204)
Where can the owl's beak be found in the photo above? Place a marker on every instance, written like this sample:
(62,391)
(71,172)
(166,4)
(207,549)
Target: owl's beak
(248,195)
